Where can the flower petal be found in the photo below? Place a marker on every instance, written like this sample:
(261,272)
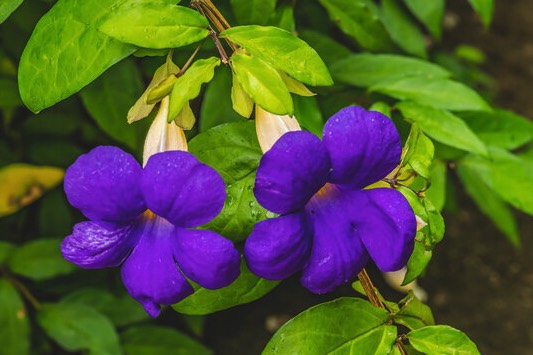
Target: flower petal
(207,258)
(386,224)
(94,245)
(150,273)
(338,254)
(278,247)
(291,172)
(104,185)
(177,187)
(364,146)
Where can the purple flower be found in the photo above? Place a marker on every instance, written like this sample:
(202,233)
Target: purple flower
(329,224)
(140,218)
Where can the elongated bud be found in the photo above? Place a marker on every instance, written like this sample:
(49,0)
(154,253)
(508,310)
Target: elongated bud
(271,127)
(163,136)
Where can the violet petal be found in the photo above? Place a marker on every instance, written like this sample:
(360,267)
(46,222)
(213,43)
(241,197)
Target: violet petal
(278,247)
(364,146)
(179,188)
(104,185)
(291,172)
(207,258)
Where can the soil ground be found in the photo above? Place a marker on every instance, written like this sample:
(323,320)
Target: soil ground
(477,281)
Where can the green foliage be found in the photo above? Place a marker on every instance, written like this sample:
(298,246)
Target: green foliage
(15,334)
(430,13)
(484,8)
(441,339)
(250,12)
(7,7)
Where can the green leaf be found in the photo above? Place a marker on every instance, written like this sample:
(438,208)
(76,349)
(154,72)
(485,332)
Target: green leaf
(9,93)
(402,30)
(55,216)
(419,151)
(40,259)
(308,114)
(6,249)
(120,310)
(262,83)
(502,129)
(439,93)
(15,334)
(185,119)
(52,151)
(485,9)
(154,24)
(294,86)
(77,327)
(443,126)
(7,7)
(109,98)
(66,52)
(360,20)
(253,12)
(381,107)
(327,48)
(241,102)
(151,339)
(22,184)
(188,85)
(371,69)
(245,289)
(284,18)
(413,313)
(430,13)
(436,192)
(506,174)
(282,50)
(441,339)
(217,103)
(344,326)
(232,149)
(418,261)
(488,201)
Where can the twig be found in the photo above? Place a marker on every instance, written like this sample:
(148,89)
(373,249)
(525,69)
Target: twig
(22,289)
(370,290)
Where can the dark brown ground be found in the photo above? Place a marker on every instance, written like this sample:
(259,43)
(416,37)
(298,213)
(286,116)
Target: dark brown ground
(476,282)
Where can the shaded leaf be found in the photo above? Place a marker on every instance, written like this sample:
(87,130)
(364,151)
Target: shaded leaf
(66,52)
(430,13)
(253,12)
(485,9)
(9,93)
(55,216)
(22,184)
(6,249)
(328,49)
(441,339)
(436,192)
(308,114)
(15,334)
(418,261)
(7,7)
(413,313)
(419,151)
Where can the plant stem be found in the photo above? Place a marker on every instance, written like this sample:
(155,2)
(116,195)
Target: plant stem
(210,11)
(189,61)
(22,289)
(370,290)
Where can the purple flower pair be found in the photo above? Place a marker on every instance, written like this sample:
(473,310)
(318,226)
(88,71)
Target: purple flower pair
(140,218)
(329,224)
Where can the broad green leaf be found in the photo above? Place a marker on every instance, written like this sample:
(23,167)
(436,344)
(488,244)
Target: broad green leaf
(217,103)
(245,289)
(381,107)
(55,216)
(441,339)
(263,83)
(418,261)
(109,98)
(6,249)
(430,13)
(40,259)
(152,339)
(485,9)
(188,85)
(120,310)
(308,114)
(7,7)
(488,201)
(343,326)
(360,20)
(436,192)
(9,93)
(284,18)
(77,327)
(294,86)
(502,129)
(253,12)
(327,48)
(282,50)
(232,149)
(15,334)
(419,151)
(439,93)
(506,174)
(154,24)
(443,126)
(52,151)
(164,88)
(22,184)
(371,69)
(241,102)
(402,30)
(185,119)
(67,51)
(413,313)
